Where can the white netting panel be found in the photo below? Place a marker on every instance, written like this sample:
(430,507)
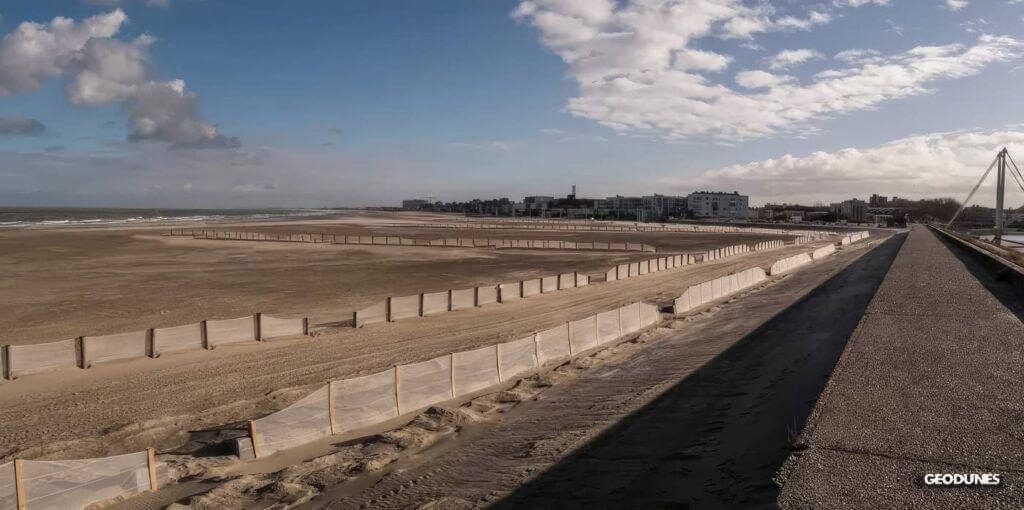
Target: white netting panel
(463,298)
(364,401)
(549,283)
(424,384)
(649,314)
(531,287)
(8,492)
(583,334)
(178,338)
(435,302)
(475,370)
(404,307)
(566,280)
(553,344)
(302,422)
(629,315)
(486,295)
(622,271)
(272,327)
(29,359)
(509,292)
(229,331)
(64,484)
(517,357)
(114,347)
(608,326)
(372,314)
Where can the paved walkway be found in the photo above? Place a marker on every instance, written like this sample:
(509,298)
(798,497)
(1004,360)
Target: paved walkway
(931,381)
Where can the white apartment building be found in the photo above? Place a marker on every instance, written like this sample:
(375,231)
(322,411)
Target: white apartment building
(707,204)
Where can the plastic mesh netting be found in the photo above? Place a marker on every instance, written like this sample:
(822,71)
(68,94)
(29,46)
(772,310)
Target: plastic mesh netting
(517,357)
(64,484)
(553,344)
(475,370)
(114,347)
(273,327)
(229,331)
(364,401)
(178,338)
(425,383)
(583,334)
(29,359)
(302,422)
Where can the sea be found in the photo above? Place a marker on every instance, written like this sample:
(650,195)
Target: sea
(56,217)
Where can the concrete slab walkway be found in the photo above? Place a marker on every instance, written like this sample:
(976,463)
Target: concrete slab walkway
(932,381)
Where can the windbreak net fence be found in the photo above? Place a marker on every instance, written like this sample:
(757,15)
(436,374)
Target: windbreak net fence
(303,422)
(370,400)
(65,484)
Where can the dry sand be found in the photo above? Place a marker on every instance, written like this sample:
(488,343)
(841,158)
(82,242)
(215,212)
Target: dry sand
(127,406)
(57,284)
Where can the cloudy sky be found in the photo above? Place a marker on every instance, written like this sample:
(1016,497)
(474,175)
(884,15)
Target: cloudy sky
(206,103)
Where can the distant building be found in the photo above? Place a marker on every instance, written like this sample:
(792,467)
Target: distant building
(414,204)
(851,210)
(707,204)
(664,206)
(878,201)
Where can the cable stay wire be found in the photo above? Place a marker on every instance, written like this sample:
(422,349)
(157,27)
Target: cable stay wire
(973,191)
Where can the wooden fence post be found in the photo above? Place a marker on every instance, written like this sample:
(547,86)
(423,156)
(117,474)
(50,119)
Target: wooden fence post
(398,405)
(330,407)
(19,483)
(204,338)
(150,343)
(151,461)
(256,327)
(255,443)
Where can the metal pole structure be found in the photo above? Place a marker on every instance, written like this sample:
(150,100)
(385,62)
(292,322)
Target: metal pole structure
(1000,192)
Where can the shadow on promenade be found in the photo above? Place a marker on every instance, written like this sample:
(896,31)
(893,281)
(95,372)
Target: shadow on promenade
(717,438)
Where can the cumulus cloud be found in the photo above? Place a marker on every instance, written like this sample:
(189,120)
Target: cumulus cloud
(858,3)
(101,69)
(630,63)
(789,58)
(929,165)
(20,126)
(758,79)
(956,5)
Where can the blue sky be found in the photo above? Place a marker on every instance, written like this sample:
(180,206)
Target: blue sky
(312,103)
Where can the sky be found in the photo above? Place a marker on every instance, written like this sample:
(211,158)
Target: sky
(218,103)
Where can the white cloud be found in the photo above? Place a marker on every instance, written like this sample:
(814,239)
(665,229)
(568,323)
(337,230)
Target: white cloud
(101,69)
(930,165)
(789,58)
(956,5)
(624,60)
(858,55)
(759,79)
(858,3)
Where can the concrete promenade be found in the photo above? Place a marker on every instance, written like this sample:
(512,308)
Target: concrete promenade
(931,381)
